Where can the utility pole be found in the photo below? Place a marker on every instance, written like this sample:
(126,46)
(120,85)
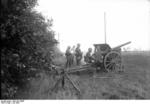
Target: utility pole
(105,27)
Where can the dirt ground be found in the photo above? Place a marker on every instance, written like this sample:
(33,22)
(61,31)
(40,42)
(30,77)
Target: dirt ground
(133,83)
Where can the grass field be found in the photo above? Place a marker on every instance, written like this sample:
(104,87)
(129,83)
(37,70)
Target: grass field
(133,83)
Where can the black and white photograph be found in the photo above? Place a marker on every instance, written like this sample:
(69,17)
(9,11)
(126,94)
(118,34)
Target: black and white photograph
(89,50)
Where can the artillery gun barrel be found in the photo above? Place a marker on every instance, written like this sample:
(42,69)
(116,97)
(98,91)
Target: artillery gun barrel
(121,45)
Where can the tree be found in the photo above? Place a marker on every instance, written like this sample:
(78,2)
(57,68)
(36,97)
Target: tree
(27,43)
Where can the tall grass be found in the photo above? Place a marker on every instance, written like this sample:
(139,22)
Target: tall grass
(134,83)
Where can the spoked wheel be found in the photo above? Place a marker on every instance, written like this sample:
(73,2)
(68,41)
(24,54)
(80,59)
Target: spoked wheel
(112,61)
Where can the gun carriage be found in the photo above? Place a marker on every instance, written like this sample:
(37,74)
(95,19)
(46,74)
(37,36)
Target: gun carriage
(108,58)
(105,57)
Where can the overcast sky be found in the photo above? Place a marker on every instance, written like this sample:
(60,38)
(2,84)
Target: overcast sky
(82,21)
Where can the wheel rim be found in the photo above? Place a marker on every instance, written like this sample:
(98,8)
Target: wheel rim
(112,61)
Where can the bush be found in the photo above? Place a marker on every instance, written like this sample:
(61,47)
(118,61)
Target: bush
(27,44)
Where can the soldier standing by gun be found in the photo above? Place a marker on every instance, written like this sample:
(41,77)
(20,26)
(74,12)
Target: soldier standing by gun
(88,57)
(73,55)
(78,54)
(68,57)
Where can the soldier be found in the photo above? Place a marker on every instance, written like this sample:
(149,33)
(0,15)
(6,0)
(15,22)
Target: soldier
(68,57)
(78,54)
(88,57)
(73,55)
(98,55)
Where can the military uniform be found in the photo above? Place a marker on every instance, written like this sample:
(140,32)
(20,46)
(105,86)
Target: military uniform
(73,56)
(78,55)
(68,57)
(88,57)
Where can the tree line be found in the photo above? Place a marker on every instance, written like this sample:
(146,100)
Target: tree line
(27,43)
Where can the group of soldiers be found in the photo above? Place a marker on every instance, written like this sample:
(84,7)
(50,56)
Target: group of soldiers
(74,56)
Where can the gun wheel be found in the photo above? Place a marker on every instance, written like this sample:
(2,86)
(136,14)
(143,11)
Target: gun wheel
(112,61)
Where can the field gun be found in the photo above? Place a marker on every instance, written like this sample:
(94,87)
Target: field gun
(108,58)
(105,57)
